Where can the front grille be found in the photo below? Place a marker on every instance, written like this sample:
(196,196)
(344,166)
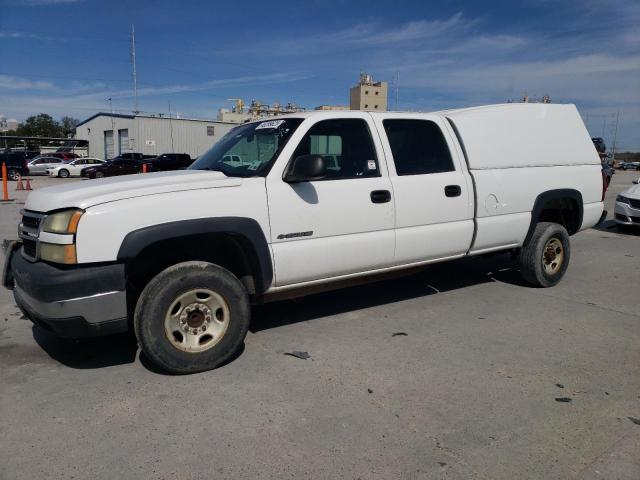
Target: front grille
(30,247)
(29,232)
(634,203)
(31,222)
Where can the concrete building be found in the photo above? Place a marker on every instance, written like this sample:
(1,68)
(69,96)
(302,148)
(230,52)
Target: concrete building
(112,134)
(231,116)
(7,124)
(369,95)
(332,107)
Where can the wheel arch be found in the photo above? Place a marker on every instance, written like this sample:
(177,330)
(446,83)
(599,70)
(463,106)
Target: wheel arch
(240,239)
(563,206)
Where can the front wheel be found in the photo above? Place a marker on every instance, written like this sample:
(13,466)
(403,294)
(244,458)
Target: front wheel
(192,317)
(99,174)
(13,174)
(544,259)
(64,173)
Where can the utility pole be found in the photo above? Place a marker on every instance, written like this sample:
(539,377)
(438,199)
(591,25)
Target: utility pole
(397,87)
(133,61)
(113,133)
(171,127)
(615,135)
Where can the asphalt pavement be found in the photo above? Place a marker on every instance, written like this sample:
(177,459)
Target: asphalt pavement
(456,372)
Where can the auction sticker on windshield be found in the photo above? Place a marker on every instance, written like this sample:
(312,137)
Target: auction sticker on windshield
(270,124)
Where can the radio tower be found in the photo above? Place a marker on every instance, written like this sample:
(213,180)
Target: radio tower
(133,62)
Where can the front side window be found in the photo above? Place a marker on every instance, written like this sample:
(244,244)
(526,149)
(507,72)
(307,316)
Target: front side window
(418,147)
(346,146)
(248,150)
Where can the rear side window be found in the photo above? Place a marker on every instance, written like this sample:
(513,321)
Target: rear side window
(346,146)
(418,147)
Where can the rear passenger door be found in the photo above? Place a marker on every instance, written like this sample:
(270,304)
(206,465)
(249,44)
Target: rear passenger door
(433,191)
(342,224)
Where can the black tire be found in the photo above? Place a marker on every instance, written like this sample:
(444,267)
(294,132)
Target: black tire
(624,228)
(63,173)
(536,262)
(99,174)
(160,295)
(13,174)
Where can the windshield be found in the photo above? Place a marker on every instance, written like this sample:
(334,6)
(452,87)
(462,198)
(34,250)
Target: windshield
(248,150)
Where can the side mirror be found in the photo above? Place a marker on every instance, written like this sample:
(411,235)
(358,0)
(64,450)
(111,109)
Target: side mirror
(306,168)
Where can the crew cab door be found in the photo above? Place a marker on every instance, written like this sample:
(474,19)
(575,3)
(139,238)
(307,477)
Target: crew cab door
(433,190)
(342,224)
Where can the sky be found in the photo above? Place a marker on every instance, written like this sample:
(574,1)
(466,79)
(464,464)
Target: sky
(67,57)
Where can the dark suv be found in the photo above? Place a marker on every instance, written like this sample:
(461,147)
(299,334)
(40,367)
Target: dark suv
(169,161)
(112,168)
(16,163)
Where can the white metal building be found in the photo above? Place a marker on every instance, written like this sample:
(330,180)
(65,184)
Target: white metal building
(112,134)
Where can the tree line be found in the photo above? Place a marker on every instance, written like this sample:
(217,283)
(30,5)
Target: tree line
(43,125)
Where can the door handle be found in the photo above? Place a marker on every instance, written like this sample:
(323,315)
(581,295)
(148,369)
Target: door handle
(452,190)
(381,196)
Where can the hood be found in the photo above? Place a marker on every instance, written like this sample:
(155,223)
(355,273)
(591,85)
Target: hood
(87,193)
(633,192)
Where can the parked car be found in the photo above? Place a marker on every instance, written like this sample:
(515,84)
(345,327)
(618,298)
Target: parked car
(16,163)
(182,255)
(169,161)
(133,156)
(66,156)
(73,168)
(112,168)
(607,171)
(40,165)
(629,166)
(627,207)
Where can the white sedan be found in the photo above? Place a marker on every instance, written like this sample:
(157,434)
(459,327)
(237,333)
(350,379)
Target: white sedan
(627,207)
(73,169)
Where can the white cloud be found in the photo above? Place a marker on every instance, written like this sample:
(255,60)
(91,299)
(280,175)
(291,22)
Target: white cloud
(17,83)
(13,34)
(47,2)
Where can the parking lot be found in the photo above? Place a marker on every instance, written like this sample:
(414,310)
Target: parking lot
(460,371)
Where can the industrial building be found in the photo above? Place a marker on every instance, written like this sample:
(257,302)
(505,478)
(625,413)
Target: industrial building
(111,134)
(369,95)
(256,110)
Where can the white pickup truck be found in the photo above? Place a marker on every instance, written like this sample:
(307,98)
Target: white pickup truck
(316,199)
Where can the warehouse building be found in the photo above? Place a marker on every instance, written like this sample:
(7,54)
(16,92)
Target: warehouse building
(111,134)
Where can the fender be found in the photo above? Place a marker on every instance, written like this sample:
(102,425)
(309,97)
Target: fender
(246,230)
(545,197)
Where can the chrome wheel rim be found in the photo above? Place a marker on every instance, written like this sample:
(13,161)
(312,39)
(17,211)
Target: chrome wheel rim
(552,256)
(196,320)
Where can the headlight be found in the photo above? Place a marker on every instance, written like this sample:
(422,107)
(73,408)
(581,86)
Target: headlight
(53,252)
(63,222)
(622,199)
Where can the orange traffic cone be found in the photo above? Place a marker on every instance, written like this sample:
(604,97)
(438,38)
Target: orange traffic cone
(19,185)
(28,185)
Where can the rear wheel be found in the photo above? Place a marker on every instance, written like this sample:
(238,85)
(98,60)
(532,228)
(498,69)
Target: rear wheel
(13,174)
(545,258)
(63,173)
(192,317)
